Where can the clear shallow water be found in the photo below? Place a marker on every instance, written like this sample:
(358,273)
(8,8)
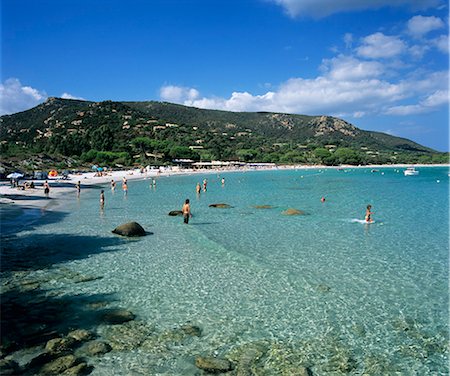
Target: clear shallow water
(320,289)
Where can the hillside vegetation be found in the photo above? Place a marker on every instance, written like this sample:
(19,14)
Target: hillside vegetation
(70,133)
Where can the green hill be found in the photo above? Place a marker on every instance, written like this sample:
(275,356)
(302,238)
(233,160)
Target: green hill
(74,132)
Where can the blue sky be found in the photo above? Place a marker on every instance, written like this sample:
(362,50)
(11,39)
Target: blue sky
(380,64)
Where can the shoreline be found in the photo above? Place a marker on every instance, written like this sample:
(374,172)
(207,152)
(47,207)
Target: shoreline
(35,199)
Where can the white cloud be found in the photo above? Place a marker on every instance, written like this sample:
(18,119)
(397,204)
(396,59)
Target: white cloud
(418,26)
(323,8)
(347,87)
(178,94)
(417,51)
(436,99)
(441,43)
(378,45)
(350,69)
(348,40)
(70,96)
(14,97)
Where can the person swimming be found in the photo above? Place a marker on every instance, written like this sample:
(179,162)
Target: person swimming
(368,217)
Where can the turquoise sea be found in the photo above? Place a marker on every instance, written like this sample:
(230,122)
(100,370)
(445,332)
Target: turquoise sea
(320,289)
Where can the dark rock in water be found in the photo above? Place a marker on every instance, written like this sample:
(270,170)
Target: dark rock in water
(263,206)
(221,206)
(303,371)
(40,360)
(96,348)
(118,316)
(127,336)
(292,211)
(323,288)
(81,335)
(9,367)
(191,330)
(130,229)
(59,365)
(60,346)
(175,213)
(213,365)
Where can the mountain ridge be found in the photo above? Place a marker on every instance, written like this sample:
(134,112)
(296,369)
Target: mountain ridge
(130,132)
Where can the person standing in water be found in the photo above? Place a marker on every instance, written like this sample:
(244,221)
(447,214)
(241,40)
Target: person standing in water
(223,182)
(205,183)
(186,210)
(198,188)
(46,189)
(125,188)
(113,185)
(369,213)
(78,187)
(102,199)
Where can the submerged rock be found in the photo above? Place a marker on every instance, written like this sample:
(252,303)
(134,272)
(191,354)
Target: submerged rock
(59,365)
(263,206)
(60,346)
(221,206)
(292,211)
(130,229)
(81,335)
(78,370)
(118,316)
(323,288)
(191,330)
(213,365)
(127,336)
(175,213)
(94,348)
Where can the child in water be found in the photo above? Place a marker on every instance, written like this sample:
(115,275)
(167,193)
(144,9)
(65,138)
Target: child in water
(369,213)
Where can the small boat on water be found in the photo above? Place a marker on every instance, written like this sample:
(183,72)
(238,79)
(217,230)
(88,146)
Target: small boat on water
(411,171)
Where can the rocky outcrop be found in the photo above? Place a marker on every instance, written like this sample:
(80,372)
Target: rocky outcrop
(175,213)
(130,229)
(263,206)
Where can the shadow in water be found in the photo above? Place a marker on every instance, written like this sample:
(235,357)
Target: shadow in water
(24,197)
(32,314)
(14,219)
(31,318)
(41,251)
(202,223)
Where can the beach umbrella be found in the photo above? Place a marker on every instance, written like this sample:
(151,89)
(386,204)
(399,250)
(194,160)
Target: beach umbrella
(15,175)
(53,173)
(99,169)
(94,167)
